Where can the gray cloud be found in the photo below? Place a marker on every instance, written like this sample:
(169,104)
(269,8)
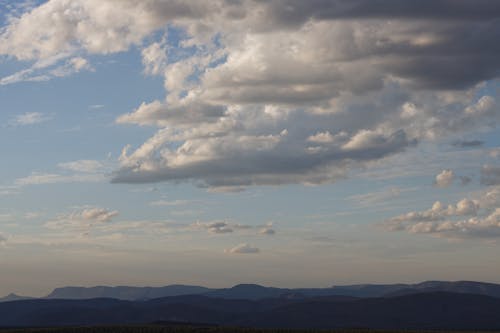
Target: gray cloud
(214,227)
(467,144)
(297,11)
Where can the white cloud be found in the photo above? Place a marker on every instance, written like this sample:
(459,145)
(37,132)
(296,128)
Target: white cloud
(30,118)
(154,58)
(321,137)
(82,220)
(445,178)
(243,248)
(469,218)
(171,203)
(85,166)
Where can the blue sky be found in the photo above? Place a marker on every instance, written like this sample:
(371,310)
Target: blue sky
(283,143)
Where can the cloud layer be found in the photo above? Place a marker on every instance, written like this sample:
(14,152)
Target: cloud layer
(284,91)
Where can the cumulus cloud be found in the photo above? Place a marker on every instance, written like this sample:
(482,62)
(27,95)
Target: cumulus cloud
(283,91)
(243,248)
(479,218)
(445,178)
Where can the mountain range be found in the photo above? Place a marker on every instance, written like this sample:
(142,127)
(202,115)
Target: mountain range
(463,305)
(428,310)
(257,292)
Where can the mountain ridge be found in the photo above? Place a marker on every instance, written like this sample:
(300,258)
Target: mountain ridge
(256,292)
(435,310)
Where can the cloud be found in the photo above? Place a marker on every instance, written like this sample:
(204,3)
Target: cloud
(154,58)
(445,178)
(468,144)
(47,69)
(243,248)
(79,171)
(85,166)
(171,203)
(214,227)
(82,220)
(284,91)
(30,118)
(40,178)
(468,219)
(267,231)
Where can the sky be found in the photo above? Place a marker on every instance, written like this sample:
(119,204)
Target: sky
(287,143)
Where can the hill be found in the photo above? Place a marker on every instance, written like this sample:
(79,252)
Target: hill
(436,310)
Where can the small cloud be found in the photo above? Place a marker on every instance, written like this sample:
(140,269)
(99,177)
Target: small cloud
(96,106)
(243,248)
(29,118)
(468,144)
(217,227)
(98,214)
(82,219)
(444,178)
(321,137)
(267,231)
(170,203)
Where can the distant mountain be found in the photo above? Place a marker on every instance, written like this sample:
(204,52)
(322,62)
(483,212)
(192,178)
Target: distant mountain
(258,292)
(255,292)
(125,293)
(248,291)
(438,310)
(376,290)
(13,297)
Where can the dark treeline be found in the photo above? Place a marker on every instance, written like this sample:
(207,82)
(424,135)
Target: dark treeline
(189,329)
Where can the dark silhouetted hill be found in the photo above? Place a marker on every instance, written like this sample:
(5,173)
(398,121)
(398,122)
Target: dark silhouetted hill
(436,310)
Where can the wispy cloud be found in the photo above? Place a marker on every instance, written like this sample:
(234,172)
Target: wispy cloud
(30,118)
(243,248)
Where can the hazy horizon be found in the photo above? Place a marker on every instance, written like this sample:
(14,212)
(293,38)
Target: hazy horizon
(286,143)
